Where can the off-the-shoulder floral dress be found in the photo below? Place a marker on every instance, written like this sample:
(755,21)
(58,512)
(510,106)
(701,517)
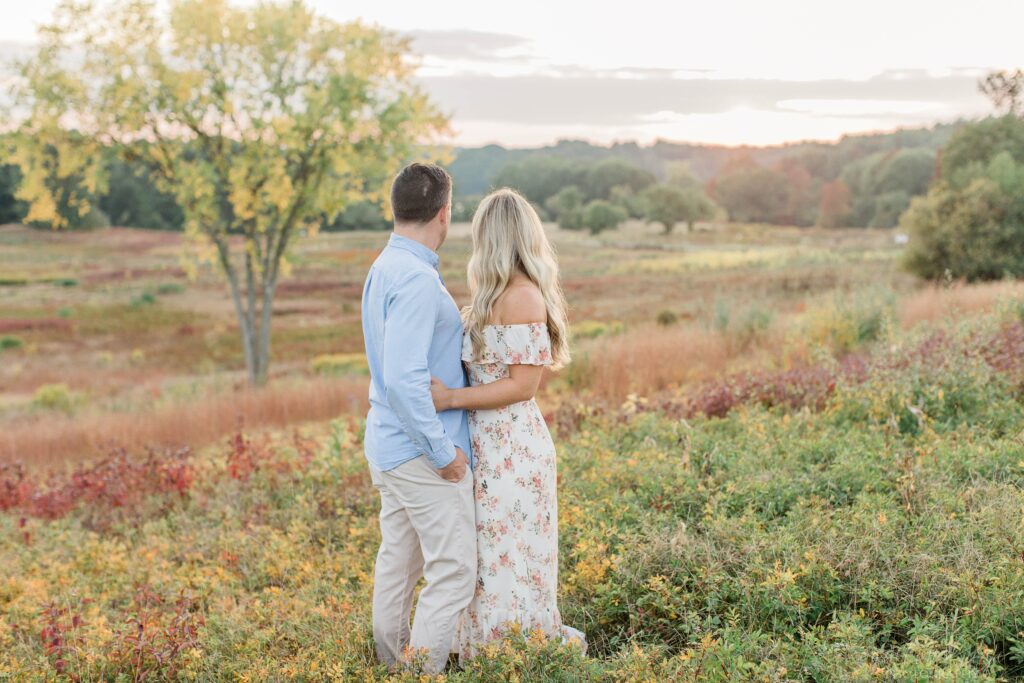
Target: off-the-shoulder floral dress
(514,482)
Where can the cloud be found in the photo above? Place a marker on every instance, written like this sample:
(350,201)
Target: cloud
(467,45)
(607,98)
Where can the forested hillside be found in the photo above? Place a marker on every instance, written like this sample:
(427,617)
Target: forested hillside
(861,180)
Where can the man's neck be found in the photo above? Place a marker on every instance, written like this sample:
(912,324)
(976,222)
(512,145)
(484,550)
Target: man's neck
(424,234)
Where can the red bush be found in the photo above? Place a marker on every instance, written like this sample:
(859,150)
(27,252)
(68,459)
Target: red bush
(61,639)
(15,487)
(148,645)
(120,482)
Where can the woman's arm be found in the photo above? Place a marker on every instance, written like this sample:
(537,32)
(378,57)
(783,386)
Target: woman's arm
(522,303)
(520,385)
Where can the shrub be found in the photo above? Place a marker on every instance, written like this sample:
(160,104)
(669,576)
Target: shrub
(668,205)
(11,342)
(600,215)
(170,288)
(592,329)
(667,318)
(749,325)
(13,281)
(55,397)
(753,323)
(971,223)
(144,299)
(564,206)
(974,232)
(340,364)
(847,324)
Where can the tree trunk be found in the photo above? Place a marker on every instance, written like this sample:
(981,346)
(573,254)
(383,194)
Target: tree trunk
(262,350)
(259,337)
(245,322)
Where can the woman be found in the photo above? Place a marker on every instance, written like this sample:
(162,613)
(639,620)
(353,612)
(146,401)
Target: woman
(515,325)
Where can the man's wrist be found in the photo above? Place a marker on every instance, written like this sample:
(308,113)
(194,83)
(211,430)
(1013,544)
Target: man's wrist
(450,453)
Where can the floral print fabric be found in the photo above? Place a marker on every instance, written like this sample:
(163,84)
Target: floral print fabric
(516,503)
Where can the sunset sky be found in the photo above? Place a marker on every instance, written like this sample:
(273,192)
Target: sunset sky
(732,72)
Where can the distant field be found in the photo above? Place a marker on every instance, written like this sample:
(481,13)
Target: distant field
(124,346)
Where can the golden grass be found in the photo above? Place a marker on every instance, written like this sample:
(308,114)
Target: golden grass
(648,359)
(53,439)
(936,302)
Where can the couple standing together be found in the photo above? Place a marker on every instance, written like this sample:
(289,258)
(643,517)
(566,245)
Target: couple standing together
(465,470)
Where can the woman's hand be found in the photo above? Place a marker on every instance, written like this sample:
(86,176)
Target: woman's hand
(441,394)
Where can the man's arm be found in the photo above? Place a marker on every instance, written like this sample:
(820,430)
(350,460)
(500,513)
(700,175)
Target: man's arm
(408,330)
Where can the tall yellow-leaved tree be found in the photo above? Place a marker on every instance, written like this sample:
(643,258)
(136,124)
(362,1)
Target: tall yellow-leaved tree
(262,121)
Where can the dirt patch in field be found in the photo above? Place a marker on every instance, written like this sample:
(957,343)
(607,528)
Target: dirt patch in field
(286,311)
(296,287)
(122,274)
(125,240)
(34,324)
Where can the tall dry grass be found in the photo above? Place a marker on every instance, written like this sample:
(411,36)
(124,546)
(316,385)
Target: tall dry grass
(650,359)
(52,439)
(936,302)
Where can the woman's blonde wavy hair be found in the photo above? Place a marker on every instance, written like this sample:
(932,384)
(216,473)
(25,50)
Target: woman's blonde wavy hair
(508,237)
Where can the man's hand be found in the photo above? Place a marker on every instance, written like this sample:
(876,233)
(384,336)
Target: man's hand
(456,469)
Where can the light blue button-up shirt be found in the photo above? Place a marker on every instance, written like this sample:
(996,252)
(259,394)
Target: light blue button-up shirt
(412,331)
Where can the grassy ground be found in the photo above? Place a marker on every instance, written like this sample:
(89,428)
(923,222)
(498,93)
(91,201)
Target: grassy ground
(98,330)
(809,469)
(868,532)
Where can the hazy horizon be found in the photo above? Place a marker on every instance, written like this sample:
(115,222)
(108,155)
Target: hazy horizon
(739,73)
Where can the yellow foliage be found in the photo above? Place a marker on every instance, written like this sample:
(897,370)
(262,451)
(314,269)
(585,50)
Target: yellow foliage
(340,364)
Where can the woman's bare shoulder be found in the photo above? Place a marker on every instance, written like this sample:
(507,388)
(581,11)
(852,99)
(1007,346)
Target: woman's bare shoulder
(521,303)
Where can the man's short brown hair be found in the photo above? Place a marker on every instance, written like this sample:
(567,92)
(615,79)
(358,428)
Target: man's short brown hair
(419,192)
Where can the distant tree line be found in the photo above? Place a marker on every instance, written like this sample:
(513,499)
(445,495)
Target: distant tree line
(600,194)
(861,181)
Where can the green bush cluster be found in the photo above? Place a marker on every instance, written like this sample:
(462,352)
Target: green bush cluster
(877,540)
(971,223)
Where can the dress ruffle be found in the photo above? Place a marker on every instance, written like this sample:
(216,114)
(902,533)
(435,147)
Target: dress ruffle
(523,344)
(477,629)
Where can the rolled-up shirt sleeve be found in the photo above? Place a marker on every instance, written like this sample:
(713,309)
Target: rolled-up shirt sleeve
(409,320)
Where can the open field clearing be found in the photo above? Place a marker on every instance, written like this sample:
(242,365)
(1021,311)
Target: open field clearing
(780,459)
(850,521)
(96,353)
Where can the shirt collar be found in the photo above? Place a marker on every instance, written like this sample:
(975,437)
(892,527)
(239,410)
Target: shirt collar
(422,252)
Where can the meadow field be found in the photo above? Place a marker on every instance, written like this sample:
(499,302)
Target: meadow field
(781,458)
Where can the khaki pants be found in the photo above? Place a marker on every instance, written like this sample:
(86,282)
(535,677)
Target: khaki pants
(428,528)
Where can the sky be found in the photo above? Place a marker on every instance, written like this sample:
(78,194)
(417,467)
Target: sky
(728,72)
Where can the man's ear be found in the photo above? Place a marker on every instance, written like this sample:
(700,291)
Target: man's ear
(445,214)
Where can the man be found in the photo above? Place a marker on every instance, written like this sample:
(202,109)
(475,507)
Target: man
(419,459)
